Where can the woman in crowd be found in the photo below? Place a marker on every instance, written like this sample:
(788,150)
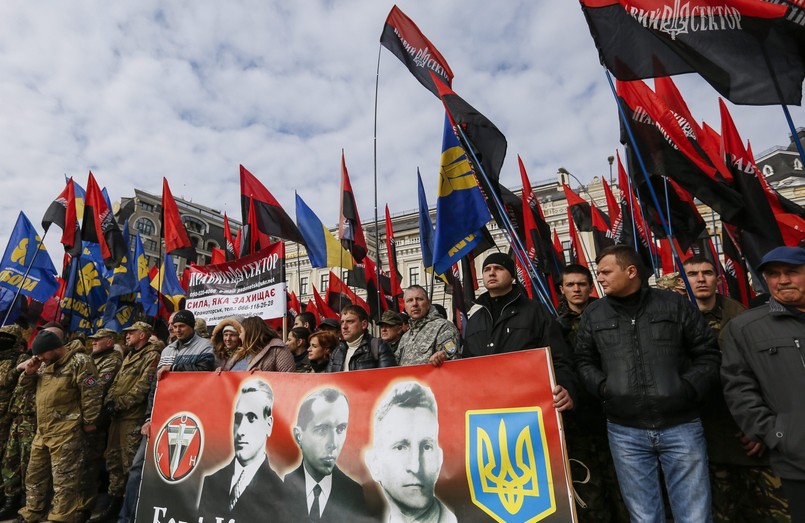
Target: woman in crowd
(320,346)
(261,349)
(226,340)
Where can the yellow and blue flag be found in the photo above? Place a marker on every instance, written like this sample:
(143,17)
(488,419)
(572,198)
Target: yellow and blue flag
(87,290)
(122,302)
(322,247)
(166,282)
(425,226)
(461,210)
(148,295)
(25,249)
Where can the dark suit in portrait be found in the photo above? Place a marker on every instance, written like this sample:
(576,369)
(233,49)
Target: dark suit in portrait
(262,500)
(345,505)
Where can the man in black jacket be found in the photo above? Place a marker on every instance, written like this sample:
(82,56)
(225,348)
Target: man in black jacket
(508,321)
(764,371)
(651,358)
(359,350)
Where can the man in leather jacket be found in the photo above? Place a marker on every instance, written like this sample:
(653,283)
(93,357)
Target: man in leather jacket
(651,358)
(359,350)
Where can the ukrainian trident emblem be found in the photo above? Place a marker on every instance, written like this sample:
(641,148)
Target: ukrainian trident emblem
(508,466)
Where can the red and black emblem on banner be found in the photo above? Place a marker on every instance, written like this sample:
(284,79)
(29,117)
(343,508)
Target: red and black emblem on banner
(178,447)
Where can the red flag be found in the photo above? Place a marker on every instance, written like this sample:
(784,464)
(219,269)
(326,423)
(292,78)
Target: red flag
(350,231)
(576,248)
(100,227)
(549,262)
(734,267)
(391,250)
(558,250)
(272,220)
(239,240)
(62,212)
(218,256)
(613,209)
(231,249)
(339,294)
(177,241)
(402,37)
(579,210)
(626,227)
(323,309)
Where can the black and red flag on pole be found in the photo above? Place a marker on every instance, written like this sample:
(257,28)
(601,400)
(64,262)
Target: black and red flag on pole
(99,225)
(231,248)
(324,310)
(350,230)
(735,267)
(339,295)
(62,212)
(751,51)
(549,262)
(272,220)
(177,241)
(403,38)
(629,228)
(391,249)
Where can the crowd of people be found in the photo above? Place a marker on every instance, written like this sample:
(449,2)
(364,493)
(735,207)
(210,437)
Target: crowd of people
(669,407)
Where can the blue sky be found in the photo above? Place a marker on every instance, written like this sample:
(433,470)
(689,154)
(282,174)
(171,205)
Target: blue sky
(188,90)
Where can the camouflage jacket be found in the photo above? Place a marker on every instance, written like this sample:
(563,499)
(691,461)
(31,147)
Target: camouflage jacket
(130,389)
(68,394)
(23,399)
(107,363)
(8,377)
(426,336)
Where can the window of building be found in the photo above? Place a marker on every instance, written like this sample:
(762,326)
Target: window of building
(413,276)
(150,245)
(146,207)
(145,226)
(324,282)
(303,281)
(195,241)
(566,250)
(767,170)
(797,164)
(194,224)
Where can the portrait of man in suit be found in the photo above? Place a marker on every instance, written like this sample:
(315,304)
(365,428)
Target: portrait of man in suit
(405,457)
(318,490)
(247,489)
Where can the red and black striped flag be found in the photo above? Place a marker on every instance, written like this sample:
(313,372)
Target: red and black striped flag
(62,212)
(230,245)
(272,220)
(177,241)
(99,226)
(391,249)
(350,230)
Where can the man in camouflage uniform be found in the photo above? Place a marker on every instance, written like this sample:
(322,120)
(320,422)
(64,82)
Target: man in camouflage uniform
(431,338)
(68,402)
(107,362)
(9,354)
(391,329)
(743,486)
(125,404)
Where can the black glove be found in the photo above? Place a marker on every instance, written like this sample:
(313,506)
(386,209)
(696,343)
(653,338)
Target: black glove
(111,409)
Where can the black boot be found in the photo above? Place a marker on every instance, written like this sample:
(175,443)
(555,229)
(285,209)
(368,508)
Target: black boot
(110,513)
(10,508)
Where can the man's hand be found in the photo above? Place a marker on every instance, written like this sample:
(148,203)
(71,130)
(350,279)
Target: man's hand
(161,371)
(32,365)
(90,428)
(561,399)
(145,430)
(438,358)
(752,448)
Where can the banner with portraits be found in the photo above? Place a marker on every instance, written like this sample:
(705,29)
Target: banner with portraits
(250,286)
(473,440)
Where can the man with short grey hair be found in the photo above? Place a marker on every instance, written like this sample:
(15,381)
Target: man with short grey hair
(430,338)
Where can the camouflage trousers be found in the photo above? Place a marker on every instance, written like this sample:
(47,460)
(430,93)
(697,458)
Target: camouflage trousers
(5,427)
(598,497)
(746,495)
(95,447)
(56,465)
(17,453)
(124,440)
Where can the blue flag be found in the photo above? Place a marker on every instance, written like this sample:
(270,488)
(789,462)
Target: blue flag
(25,249)
(167,283)
(461,210)
(122,303)
(148,295)
(425,225)
(87,290)
(322,247)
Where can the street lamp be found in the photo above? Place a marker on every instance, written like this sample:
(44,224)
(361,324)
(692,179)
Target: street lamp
(610,159)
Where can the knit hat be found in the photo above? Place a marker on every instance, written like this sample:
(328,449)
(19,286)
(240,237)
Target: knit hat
(186,317)
(498,258)
(45,341)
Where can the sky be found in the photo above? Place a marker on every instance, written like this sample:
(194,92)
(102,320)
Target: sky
(188,90)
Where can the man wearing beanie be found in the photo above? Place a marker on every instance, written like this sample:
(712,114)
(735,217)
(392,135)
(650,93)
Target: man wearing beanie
(68,402)
(507,320)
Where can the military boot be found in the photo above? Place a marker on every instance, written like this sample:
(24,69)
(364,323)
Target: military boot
(109,514)
(10,508)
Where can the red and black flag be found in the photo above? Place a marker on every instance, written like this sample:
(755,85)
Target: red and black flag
(628,228)
(577,254)
(177,242)
(350,231)
(294,307)
(669,150)
(734,267)
(272,220)
(549,262)
(251,239)
(402,37)
(613,209)
(231,249)
(579,209)
(750,51)
(62,212)
(99,226)
(324,311)
(391,249)
(339,295)
(558,250)
(602,235)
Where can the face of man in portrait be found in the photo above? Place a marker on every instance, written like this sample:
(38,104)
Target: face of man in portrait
(251,427)
(406,458)
(323,438)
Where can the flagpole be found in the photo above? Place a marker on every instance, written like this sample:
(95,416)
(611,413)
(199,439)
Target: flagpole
(298,260)
(511,236)
(668,213)
(27,272)
(374,147)
(786,112)
(632,140)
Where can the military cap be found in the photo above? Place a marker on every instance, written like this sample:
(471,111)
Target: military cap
(103,333)
(140,326)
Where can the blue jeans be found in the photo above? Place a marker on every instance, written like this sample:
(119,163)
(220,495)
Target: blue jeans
(680,453)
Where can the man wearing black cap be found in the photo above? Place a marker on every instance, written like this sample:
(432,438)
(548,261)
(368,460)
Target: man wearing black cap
(508,321)
(763,371)
(68,402)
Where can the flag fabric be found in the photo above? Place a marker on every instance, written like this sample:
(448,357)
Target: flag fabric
(734,268)
(62,212)
(324,310)
(87,290)
(350,230)
(460,207)
(252,239)
(99,225)
(630,229)
(375,296)
(311,308)
(602,235)
(177,241)
(577,254)
(322,247)
(751,51)
(613,209)
(558,250)
(121,303)
(426,231)
(338,295)
(484,141)
(551,263)
(166,282)
(294,307)
(403,38)
(25,249)
(230,248)
(579,209)
(217,256)
(272,219)
(148,295)
(391,250)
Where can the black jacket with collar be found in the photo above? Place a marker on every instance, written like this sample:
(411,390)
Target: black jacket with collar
(651,370)
(363,358)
